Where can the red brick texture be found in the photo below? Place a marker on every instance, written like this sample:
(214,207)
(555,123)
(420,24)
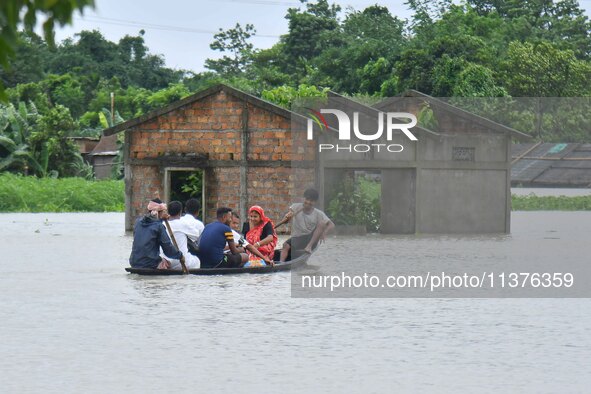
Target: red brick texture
(213,126)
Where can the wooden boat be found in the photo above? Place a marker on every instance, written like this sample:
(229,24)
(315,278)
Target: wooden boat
(299,261)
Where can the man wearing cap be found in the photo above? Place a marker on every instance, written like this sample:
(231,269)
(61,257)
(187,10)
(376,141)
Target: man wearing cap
(149,235)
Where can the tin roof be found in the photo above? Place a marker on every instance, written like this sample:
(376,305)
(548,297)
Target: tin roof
(551,165)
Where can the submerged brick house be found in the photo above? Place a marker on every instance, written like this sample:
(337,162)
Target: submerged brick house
(242,144)
(455,179)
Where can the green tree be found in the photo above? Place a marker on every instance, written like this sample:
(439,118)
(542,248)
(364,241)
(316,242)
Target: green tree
(308,28)
(166,96)
(458,77)
(310,33)
(66,90)
(285,96)
(15,12)
(427,11)
(373,75)
(27,65)
(52,133)
(543,70)
(563,23)
(477,81)
(363,52)
(235,42)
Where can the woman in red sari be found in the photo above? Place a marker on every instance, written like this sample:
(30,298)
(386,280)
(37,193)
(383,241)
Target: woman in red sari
(260,232)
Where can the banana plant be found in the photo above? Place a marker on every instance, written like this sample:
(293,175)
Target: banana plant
(107,120)
(15,129)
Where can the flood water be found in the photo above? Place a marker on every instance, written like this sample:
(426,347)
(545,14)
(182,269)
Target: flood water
(72,320)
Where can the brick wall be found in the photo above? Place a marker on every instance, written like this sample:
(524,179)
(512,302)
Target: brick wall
(222,187)
(146,183)
(213,126)
(210,126)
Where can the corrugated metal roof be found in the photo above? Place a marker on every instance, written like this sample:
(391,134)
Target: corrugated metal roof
(519,149)
(567,177)
(525,170)
(579,154)
(552,150)
(551,164)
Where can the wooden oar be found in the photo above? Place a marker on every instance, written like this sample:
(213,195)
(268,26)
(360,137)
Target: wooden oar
(185,270)
(281,223)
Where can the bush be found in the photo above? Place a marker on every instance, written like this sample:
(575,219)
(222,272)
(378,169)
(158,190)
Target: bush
(30,194)
(551,203)
(357,202)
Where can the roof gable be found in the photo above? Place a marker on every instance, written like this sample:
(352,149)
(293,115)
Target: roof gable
(365,108)
(440,104)
(196,97)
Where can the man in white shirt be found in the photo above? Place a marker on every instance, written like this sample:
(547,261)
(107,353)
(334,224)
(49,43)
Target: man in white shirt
(190,219)
(182,229)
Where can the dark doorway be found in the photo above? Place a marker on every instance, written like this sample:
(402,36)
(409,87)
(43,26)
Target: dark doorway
(185,184)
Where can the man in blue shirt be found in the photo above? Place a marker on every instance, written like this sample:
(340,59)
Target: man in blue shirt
(213,240)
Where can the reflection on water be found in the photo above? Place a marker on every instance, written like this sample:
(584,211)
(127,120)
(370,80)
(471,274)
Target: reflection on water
(73,321)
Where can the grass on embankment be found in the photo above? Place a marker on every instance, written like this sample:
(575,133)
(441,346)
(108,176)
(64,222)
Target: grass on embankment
(551,203)
(30,194)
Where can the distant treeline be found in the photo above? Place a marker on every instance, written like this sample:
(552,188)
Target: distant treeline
(478,48)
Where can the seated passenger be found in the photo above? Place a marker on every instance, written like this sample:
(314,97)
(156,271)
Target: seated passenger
(191,219)
(310,225)
(243,244)
(259,231)
(239,240)
(149,235)
(181,230)
(193,225)
(213,241)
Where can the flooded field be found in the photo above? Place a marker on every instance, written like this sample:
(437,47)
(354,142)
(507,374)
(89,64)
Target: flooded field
(72,320)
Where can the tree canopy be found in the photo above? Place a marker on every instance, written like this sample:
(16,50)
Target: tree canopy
(14,13)
(476,48)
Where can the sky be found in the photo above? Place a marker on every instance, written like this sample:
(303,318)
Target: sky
(181,30)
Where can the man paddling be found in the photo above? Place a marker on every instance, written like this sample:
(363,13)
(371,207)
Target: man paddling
(309,226)
(149,235)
